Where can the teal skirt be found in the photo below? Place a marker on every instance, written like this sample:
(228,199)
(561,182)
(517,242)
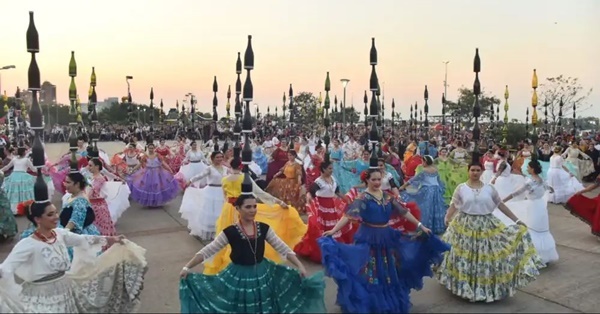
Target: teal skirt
(262,288)
(19,188)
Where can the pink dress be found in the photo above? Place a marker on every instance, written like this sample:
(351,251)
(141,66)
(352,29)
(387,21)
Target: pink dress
(97,198)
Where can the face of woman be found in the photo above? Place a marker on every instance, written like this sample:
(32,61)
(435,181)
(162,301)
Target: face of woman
(374,180)
(291,157)
(71,186)
(365,155)
(474,173)
(194,145)
(443,153)
(151,149)
(218,159)
(328,170)
(546,146)
(49,219)
(248,209)
(92,167)
(381,165)
(79,143)
(162,143)
(530,170)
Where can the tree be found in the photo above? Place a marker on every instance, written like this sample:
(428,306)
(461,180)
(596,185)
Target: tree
(466,100)
(305,108)
(567,89)
(351,115)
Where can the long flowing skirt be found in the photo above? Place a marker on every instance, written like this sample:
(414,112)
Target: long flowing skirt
(563,185)
(8,223)
(103,221)
(376,274)
(287,190)
(153,186)
(587,209)
(488,261)
(323,215)
(112,284)
(286,223)
(534,213)
(19,188)
(505,185)
(186,172)
(430,200)
(201,208)
(259,157)
(262,288)
(117,198)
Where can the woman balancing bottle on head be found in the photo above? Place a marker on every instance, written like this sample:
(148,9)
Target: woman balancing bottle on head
(251,283)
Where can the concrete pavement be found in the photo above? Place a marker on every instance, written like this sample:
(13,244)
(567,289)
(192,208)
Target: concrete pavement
(570,285)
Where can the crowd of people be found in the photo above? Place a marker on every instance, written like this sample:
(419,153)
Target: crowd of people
(378,220)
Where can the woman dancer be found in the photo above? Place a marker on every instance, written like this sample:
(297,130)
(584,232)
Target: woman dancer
(103,220)
(259,157)
(278,158)
(8,224)
(505,181)
(351,170)
(62,167)
(489,166)
(19,185)
(326,205)
(287,187)
(128,160)
(202,207)
(164,150)
(522,155)
(458,165)
(194,163)
(587,208)
(110,283)
(179,151)
(482,244)
(533,212)
(429,196)
(314,170)
(561,179)
(284,220)
(251,283)
(582,166)
(152,183)
(376,274)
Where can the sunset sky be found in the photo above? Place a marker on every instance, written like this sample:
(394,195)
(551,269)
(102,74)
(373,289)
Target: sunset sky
(178,46)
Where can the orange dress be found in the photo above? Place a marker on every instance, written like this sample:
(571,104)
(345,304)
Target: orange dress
(287,187)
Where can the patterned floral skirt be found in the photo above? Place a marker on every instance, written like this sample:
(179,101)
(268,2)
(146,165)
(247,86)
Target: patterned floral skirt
(287,190)
(112,285)
(488,261)
(103,221)
(8,224)
(262,288)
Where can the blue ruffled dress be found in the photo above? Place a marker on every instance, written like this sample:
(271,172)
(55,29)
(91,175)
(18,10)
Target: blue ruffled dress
(430,199)
(260,159)
(376,274)
(349,173)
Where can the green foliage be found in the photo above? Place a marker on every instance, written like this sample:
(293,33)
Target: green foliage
(117,113)
(351,115)
(466,99)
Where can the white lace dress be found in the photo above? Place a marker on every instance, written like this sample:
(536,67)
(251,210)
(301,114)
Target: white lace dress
(110,283)
(506,181)
(196,165)
(533,211)
(201,207)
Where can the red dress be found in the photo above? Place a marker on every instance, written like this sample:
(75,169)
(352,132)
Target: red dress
(587,209)
(314,172)
(102,221)
(323,214)
(410,166)
(176,160)
(279,159)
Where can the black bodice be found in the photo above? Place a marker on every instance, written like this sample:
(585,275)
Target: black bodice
(242,247)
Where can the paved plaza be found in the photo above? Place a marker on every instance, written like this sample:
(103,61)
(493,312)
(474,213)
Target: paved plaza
(570,285)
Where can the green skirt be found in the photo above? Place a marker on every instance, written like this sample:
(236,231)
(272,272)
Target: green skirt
(488,261)
(262,288)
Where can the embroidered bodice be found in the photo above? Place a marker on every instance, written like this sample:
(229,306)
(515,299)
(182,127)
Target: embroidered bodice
(534,189)
(475,202)
(573,153)
(387,182)
(322,188)
(459,155)
(163,150)
(195,156)
(77,210)
(95,190)
(243,248)
(425,178)
(20,164)
(336,154)
(153,162)
(213,175)
(368,209)
(556,161)
(32,259)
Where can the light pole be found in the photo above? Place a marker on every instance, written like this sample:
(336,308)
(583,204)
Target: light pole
(344,83)
(130,105)
(446,78)
(6,67)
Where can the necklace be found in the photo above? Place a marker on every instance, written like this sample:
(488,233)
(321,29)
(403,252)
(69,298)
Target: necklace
(255,248)
(477,189)
(48,240)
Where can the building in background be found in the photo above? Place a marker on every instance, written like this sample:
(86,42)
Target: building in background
(48,93)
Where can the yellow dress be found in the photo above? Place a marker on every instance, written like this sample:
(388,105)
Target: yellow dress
(286,223)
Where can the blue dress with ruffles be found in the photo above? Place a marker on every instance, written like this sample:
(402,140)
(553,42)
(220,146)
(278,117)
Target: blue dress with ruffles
(377,272)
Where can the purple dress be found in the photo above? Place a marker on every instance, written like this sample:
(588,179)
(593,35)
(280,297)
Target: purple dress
(152,185)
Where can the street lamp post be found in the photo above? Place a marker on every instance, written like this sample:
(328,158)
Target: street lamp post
(344,83)
(129,100)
